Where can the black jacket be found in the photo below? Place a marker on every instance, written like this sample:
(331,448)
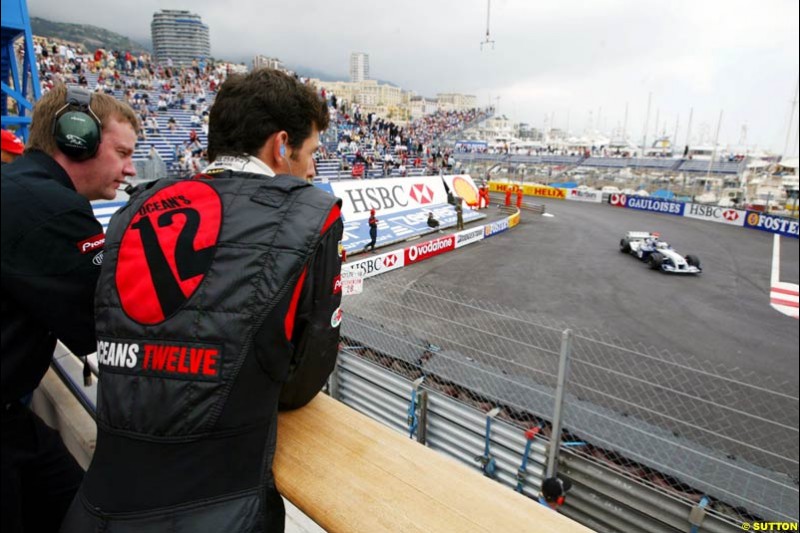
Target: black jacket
(218,301)
(51,254)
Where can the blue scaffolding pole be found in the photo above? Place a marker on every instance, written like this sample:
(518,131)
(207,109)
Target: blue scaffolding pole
(20,79)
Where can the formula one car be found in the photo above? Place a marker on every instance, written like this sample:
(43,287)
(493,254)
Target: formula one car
(649,247)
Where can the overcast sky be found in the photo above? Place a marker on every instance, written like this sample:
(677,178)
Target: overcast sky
(578,63)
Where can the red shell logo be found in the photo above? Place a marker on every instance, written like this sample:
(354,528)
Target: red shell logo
(167,249)
(421,193)
(730,215)
(389,260)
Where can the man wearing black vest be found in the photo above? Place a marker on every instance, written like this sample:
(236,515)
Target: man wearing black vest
(217,303)
(80,149)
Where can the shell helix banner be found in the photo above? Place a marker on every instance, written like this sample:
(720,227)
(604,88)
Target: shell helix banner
(529,189)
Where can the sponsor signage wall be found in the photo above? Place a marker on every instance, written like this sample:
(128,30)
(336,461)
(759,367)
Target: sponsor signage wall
(462,186)
(400,226)
(495,227)
(469,236)
(529,189)
(428,249)
(715,213)
(377,264)
(655,205)
(387,196)
(618,200)
(584,196)
(772,224)
(513,220)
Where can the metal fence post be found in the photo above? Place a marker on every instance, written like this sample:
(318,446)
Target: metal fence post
(563,371)
(333,382)
(422,428)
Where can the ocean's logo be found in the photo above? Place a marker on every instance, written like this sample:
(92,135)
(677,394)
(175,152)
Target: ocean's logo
(421,193)
(167,250)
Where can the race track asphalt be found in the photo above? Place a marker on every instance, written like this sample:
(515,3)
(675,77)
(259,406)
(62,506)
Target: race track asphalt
(567,267)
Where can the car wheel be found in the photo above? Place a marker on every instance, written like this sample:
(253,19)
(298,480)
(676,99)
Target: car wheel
(625,246)
(692,260)
(655,260)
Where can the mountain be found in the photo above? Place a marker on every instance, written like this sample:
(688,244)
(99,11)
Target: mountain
(91,37)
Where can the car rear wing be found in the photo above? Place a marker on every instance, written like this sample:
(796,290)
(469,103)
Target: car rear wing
(638,235)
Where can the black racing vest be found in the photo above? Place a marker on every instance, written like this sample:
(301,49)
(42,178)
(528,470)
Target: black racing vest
(186,414)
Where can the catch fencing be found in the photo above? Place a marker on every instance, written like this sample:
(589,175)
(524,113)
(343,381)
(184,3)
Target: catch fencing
(699,434)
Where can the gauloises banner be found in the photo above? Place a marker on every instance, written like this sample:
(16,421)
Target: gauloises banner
(529,189)
(771,223)
(645,203)
(463,187)
(387,196)
(715,213)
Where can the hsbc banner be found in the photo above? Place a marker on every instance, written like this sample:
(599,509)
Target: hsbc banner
(428,249)
(584,196)
(771,223)
(655,205)
(715,213)
(376,264)
(387,196)
(469,236)
(463,187)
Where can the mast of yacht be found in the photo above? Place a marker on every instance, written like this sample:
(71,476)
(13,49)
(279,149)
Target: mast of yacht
(791,120)
(646,122)
(688,132)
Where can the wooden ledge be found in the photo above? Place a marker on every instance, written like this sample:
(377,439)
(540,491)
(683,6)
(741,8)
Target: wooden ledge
(349,473)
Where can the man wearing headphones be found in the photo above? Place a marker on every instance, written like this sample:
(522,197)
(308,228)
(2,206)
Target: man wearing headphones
(218,303)
(80,149)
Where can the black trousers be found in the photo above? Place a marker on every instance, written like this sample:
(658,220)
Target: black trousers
(40,476)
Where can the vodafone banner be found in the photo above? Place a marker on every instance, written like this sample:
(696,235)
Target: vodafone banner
(388,196)
(462,186)
(584,196)
(377,264)
(428,249)
(715,213)
(618,200)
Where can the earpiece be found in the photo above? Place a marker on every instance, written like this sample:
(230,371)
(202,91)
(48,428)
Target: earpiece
(283,150)
(76,128)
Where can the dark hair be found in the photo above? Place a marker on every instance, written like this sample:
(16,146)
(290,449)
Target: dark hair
(249,108)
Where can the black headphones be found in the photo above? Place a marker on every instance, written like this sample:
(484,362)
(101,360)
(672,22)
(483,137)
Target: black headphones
(76,128)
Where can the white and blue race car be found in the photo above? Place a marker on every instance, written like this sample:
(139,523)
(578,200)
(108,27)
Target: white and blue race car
(649,247)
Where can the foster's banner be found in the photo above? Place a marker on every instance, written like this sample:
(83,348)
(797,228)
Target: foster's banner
(782,226)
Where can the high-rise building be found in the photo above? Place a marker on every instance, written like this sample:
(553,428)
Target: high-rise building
(180,36)
(359,66)
(260,61)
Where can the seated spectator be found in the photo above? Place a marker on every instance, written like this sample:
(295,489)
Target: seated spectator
(171,124)
(432,222)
